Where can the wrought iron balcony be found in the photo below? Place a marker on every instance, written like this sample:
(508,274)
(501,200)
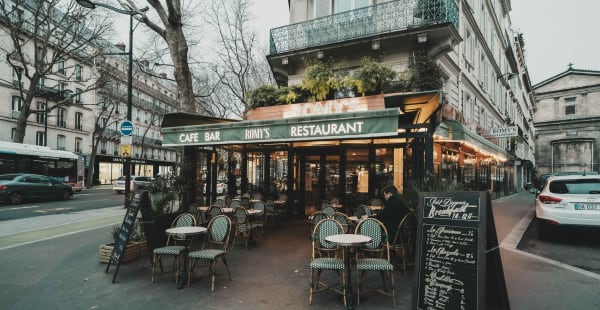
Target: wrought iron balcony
(388,17)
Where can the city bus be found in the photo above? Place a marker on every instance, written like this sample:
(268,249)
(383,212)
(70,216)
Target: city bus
(26,158)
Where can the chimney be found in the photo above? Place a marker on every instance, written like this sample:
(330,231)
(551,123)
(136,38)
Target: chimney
(120,46)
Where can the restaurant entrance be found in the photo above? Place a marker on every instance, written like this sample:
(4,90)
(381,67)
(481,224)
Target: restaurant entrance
(321,179)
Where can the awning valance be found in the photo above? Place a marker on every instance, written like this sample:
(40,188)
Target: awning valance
(456,131)
(366,124)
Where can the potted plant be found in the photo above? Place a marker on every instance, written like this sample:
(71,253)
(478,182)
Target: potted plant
(429,183)
(136,247)
(159,214)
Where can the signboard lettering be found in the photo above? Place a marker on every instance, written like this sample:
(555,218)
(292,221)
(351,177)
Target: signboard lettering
(371,124)
(502,132)
(325,107)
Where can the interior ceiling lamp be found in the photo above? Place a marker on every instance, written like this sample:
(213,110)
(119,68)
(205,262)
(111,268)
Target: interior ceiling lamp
(375,45)
(422,37)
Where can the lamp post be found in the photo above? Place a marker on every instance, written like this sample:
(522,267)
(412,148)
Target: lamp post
(92,5)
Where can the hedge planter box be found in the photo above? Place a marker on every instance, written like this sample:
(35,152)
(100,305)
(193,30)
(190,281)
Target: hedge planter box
(134,249)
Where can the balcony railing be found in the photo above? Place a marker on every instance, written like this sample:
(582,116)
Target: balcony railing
(365,22)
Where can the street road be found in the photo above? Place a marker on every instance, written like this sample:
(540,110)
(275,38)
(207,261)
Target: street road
(100,197)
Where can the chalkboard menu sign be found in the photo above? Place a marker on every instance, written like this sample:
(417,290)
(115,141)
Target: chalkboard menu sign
(451,251)
(139,198)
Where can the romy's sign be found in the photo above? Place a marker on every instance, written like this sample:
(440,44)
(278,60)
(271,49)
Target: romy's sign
(345,125)
(502,132)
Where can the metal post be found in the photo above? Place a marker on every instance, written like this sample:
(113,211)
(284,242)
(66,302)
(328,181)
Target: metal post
(127,168)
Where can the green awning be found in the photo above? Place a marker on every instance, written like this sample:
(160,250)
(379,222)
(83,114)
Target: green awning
(366,124)
(458,132)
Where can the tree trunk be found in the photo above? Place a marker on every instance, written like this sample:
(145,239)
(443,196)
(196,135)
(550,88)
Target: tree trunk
(183,76)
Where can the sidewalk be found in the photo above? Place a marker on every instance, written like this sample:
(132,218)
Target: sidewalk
(64,272)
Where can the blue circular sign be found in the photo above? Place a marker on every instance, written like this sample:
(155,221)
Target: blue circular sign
(126,128)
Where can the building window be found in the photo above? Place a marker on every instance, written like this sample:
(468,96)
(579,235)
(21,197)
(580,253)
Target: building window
(78,123)
(569,109)
(16,78)
(78,72)
(322,8)
(347,5)
(77,145)
(16,103)
(61,118)
(60,142)
(40,138)
(61,67)
(78,92)
(40,114)
(570,99)
(41,86)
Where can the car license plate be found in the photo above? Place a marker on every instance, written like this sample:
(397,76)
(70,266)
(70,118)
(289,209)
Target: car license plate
(587,206)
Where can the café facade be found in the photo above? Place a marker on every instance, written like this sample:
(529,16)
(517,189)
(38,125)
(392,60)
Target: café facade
(348,149)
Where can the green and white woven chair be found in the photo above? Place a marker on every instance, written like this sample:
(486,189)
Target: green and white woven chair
(244,228)
(213,249)
(326,256)
(173,247)
(374,256)
(342,218)
(403,245)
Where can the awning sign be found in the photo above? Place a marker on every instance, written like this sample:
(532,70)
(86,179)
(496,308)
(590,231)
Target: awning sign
(502,132)
(346,125)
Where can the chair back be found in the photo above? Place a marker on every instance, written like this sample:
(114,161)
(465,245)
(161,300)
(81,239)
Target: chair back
(185,219)
(329,210)
(323,229)
(235,204)
(220,202)
(228,200)
(257,195)
(405,235)
(259,205)
(343,220)
(324,204)
(215,210)
(245,202)
(378,246)
(362,211)
(241,216)
(218,232)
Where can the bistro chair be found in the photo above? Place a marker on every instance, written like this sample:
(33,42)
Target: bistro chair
(235,203)
(315,218)
(215,210)
(326,256)
(272,214)
(260,220)
(334,201)
(403,245)
(342,218)
(228,200)
(257,196)
(324,204)
(220,202)
(329,210)
(245,202)
(213,249)
(362,211)
(244,228)
(374,256)
(173,247)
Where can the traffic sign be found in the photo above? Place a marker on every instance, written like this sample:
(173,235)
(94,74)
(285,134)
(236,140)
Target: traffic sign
(126,127)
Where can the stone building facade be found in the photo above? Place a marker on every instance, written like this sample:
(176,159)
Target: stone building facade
(567,122)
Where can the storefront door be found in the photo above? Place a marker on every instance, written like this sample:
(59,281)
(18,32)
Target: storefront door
(321,179)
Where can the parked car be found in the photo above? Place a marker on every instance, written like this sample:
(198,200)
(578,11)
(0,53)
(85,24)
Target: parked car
(568,200)
(137,183)
(15,188)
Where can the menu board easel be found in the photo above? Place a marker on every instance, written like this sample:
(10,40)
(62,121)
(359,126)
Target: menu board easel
(139,199)
(458,259)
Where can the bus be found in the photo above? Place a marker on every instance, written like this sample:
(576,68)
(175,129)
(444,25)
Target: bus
(26,158)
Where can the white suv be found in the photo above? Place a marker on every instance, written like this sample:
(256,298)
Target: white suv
(137,183)
(568,200)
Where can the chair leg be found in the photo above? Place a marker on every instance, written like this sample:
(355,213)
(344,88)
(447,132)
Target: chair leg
(393,287)
(226,267)
(212,275)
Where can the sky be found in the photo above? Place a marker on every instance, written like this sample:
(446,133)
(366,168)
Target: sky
(556,33)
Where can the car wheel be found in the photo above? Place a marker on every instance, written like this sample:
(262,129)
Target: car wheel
(15,198)
(66,195)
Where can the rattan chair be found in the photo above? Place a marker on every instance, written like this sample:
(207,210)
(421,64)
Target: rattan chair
(403,245)
(342,218)
(213,249)
(374,256)
(260,220)
(326,256)
(314,219)
(244,228)
(173,246)
(329,210)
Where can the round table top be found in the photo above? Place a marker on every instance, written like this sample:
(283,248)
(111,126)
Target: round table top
(348,239)
(186,230)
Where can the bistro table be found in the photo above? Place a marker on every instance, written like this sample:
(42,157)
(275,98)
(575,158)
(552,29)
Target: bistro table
(349,241)
(184,233)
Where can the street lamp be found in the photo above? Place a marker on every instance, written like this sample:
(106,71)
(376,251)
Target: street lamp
(92,5)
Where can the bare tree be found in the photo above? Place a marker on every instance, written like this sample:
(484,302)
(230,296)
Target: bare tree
(170,28)
(239,66)
(104,118)
(42,34)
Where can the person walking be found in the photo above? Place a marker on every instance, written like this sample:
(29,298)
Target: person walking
(393,211)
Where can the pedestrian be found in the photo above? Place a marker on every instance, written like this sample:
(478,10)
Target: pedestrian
(393,211)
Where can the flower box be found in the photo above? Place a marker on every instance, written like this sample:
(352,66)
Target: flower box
(134,249)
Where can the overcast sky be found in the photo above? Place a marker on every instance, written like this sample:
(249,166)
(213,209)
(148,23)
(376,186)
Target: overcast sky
(557,33)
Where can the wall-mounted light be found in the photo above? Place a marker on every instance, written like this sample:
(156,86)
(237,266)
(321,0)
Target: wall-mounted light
(509,76)
(422,37)
(320,55)
(375,45)
(284,61)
